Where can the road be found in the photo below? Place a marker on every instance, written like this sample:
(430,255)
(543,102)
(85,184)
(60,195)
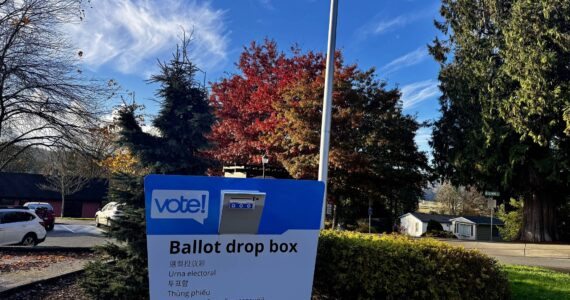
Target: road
(75,234)
(551,256)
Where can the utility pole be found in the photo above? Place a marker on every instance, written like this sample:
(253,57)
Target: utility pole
(327,106)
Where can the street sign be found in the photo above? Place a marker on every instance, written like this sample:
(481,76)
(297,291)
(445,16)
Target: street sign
(329,209)
(370,211)
(491,203)
(492,194)
(231,238)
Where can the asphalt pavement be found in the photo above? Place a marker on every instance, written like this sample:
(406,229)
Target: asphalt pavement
(75,234)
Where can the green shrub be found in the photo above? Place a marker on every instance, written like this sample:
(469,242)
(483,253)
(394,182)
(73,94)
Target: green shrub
(512,220)
(356,266)
(439,234)
(434,226)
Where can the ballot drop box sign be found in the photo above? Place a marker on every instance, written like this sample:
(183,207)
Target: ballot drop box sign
(231,238)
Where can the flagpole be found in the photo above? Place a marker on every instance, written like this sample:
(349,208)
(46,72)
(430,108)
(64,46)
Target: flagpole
(327,105)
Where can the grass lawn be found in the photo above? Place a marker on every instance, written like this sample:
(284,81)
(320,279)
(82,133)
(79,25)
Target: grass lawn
(538,283)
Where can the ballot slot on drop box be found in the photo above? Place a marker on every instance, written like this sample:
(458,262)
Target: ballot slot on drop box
(241,212)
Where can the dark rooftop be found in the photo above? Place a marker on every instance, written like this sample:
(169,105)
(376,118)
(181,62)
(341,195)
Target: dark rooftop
(23,186)
(438,218)
(484,220)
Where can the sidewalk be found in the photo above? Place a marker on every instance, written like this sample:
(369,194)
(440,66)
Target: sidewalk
(18,279)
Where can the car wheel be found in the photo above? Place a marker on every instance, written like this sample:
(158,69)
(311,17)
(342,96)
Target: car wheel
(97,222)
(50,227)
(29,240)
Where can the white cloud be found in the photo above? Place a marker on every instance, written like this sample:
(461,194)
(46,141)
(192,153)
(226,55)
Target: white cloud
(410,59)
(415,93)
(130,35)
(380,25)
(385,25)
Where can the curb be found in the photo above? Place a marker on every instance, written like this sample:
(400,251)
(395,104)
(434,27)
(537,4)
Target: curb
(16,289)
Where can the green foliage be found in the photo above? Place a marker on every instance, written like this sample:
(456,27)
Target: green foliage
(504,80)
(538,283)
(121,271)
(537,55)
(357,266)
(183,122)
(512,219)
(434,226)
(439,234)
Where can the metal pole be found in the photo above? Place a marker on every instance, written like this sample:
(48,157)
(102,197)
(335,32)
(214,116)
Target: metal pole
(327,105)
(492,210)
(263,172)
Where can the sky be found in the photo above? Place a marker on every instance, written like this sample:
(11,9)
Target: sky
(122,40)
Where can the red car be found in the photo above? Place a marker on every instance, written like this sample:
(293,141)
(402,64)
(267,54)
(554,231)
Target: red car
(45,211)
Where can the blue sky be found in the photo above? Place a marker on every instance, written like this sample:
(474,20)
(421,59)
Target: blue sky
(123,39)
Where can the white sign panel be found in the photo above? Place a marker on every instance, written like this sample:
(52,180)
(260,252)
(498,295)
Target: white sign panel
(222,238)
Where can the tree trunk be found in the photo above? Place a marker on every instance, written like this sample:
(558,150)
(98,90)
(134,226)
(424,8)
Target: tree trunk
(539,218)
(62,198)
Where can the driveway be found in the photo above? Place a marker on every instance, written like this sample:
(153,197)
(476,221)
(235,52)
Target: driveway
(75,233)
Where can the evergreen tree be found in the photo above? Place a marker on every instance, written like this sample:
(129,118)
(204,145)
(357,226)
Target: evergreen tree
(182,123)
(504,79)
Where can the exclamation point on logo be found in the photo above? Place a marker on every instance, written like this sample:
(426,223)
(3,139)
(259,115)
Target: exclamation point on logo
(204,203)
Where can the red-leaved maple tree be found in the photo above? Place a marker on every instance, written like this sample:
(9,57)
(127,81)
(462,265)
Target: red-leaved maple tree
(273,107)
(245,103)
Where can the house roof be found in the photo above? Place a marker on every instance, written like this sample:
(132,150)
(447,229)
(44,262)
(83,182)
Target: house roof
(480,220)
(23,186)
(428,217)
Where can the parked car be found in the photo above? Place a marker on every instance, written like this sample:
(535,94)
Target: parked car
(45,211)
(110,212)
(21,226)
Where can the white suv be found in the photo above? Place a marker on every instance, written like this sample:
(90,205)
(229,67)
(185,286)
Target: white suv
(20,226)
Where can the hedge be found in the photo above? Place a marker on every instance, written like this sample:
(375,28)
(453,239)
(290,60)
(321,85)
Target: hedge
(357,266)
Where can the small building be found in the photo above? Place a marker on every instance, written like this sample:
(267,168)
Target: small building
(19,188)
(415,223)
(476,228)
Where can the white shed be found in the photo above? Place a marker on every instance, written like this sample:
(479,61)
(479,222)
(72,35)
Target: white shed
(415,224)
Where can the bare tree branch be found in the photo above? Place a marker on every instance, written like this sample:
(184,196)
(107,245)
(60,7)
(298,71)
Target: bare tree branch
(44,100)
(68,172)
